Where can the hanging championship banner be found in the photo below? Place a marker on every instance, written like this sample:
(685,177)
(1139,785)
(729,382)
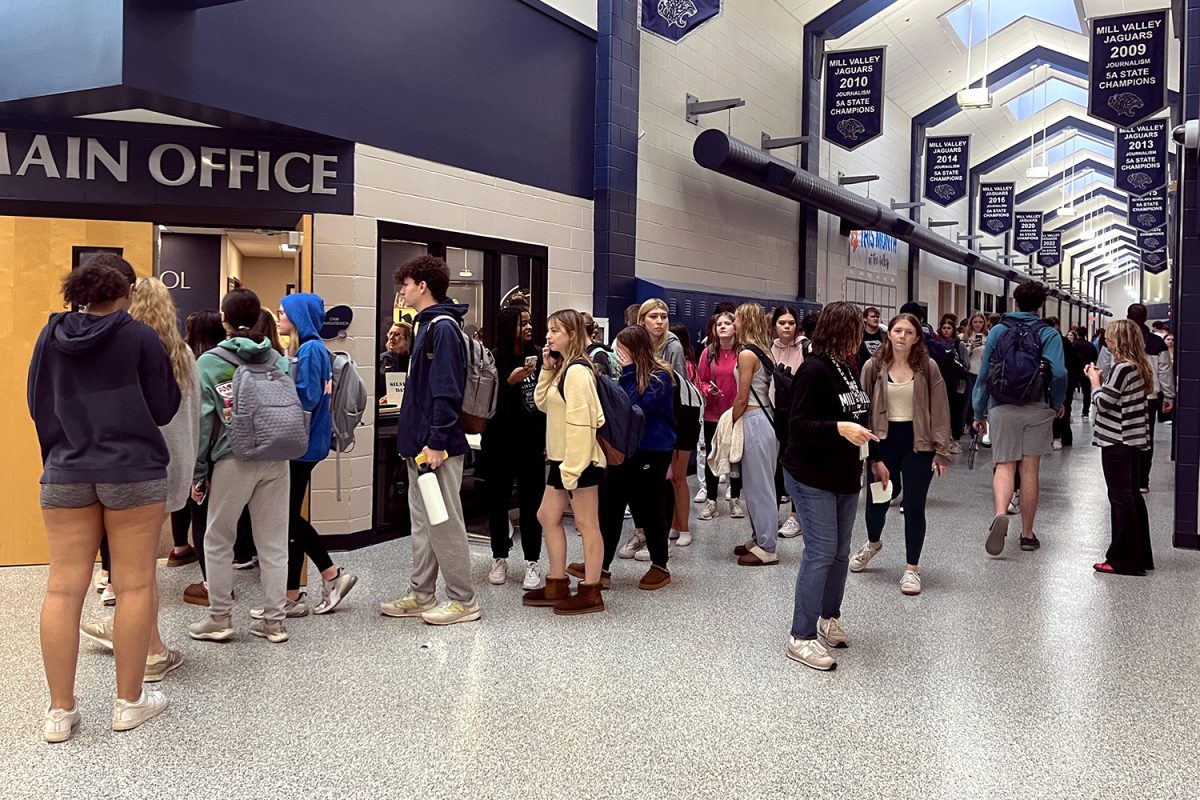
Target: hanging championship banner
(1152,241)
(1156,262)
(1148,211)
(946,165)
(1027,232)
(1142,157)
(853,96)
(996,207)
(1050,253)
(1128,67)
(674,19)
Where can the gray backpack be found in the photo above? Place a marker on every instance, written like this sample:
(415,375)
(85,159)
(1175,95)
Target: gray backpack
(268,423)
(346,408)
(482,387)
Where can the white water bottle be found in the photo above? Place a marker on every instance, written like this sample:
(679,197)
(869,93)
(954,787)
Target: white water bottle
(431,493)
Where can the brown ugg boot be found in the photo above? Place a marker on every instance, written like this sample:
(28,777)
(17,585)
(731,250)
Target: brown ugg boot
(556,589)
(586,600)
(575,570)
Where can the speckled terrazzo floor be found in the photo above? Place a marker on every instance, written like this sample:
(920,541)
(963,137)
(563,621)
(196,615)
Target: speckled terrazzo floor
(1023,676)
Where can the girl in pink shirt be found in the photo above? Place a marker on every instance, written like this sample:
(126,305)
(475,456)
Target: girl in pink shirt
(716,379)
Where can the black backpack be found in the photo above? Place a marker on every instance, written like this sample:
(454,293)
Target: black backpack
(945,355)
(783,379)
(1016,370)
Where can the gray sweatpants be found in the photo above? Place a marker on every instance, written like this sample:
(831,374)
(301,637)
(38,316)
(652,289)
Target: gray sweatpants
(760,455)
(264,486)
(442,546)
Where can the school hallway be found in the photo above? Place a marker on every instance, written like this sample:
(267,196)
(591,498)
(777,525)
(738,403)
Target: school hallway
(1022,676)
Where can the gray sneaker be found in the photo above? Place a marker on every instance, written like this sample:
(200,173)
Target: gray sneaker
(451,612)
(99,632)
(157,667)
(212,629)
(336,590)
(410,605)
(270,630)
(291,609)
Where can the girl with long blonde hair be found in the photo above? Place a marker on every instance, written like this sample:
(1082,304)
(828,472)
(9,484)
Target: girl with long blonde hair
(1121,430)
(566,393)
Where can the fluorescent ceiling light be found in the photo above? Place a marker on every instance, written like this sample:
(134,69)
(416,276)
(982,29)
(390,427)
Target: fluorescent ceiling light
(1066,211)
(978,97)
(1037,172)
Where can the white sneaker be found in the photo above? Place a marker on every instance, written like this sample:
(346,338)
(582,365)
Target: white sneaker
(498,575)
(61,722)
(684,539)
(533,577)
(628,513)
(643,554)
(728,494)
(790,529)
(709,510)
(672,535)
(1014,504)
(859,561)
(633,545)
(723,479)
(100,581)
(987,439)
(810,653)
(955,448)
(737,508)
(910,582)
(108,597)
(127,716)
(1056,444)
(701,495)
(832,632)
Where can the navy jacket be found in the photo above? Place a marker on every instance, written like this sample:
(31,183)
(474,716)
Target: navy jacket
(312,370)
(99,389)
(658,404)
(433,392)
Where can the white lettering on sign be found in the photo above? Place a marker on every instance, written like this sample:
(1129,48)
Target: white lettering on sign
(320,174)
(281,172)
(236,167)
(174,280)
(5,166)
(117,167)
(209,164)
(39,155)
(189,164)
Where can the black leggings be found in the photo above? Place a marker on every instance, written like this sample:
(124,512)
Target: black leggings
(711,482)
(506,462)
(302,536)
(243,547)
(916,469)
(638,483)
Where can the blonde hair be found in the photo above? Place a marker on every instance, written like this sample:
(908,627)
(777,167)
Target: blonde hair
(152,305)
(654,304)
(1124,340)
(753,328)
(572,322)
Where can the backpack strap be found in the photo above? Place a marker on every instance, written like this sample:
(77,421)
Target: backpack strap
(429,339)
(769,366)
(228,355)
(562,379)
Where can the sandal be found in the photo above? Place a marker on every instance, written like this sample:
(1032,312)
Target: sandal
(757,557)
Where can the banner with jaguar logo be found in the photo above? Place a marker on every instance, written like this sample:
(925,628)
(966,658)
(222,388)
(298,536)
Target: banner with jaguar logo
(1127,72)
(674,19)
(1141,160)
(996,201)
(853,96)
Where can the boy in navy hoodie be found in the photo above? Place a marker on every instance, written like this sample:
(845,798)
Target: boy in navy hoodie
(429,425)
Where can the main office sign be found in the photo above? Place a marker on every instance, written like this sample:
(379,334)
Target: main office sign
(854,96)
(1141,157)
(99,162)
(1128,67)
(946,166)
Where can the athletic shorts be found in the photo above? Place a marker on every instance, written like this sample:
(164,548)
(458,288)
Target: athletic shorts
(1020,431)
(115,496)
(590,477)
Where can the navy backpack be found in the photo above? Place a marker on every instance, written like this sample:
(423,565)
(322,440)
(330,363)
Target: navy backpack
(1016,372)
(624,422)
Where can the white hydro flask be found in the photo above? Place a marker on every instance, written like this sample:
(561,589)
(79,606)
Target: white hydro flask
(431,492)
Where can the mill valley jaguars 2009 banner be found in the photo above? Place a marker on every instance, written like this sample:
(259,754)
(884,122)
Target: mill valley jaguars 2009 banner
(996,202)
(1128,67)
(946,166)
(674,19)
(1148,211)
(1027,232)
(1141,161)
(853,96)
(1050,253)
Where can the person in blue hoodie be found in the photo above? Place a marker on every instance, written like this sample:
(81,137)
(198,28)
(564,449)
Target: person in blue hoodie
(300,318)
(100,387)
(1020,434)
(638,481)
(428,426)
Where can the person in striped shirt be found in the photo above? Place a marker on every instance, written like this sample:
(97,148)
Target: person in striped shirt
(1121,429)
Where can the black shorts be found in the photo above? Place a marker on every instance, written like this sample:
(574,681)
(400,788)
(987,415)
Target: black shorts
(687,429)
(590,477)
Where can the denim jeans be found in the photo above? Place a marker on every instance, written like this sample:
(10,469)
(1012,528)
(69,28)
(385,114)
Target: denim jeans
(827,519)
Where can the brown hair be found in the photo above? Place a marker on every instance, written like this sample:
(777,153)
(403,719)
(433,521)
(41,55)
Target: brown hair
(839,331)
(1124,341)
(754,328)
(572,322)
(635,340)
(917,356)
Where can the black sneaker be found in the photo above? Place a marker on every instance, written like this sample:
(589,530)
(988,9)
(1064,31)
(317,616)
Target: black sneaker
(1031,543)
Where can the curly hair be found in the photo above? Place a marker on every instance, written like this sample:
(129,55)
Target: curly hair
(153,306)
(94,283)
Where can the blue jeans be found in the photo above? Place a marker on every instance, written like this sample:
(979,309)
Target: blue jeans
(827,519)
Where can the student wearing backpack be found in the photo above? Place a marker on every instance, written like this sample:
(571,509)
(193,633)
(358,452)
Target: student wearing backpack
(787,351)
(100,386)
(689,407)
(760,449)
(954,376)
(718,381)
(237,481)
(911,417)
(514,449)
(598,352)
(300,318)
(566,393)
(429,426)
(1017,405)
(639,481)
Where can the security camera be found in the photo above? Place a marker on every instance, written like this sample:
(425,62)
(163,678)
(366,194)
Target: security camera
(1187,134)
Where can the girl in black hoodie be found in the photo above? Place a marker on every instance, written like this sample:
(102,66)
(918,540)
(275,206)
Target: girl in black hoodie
(100,386)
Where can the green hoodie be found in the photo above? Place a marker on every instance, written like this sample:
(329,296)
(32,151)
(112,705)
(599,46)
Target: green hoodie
(216,397)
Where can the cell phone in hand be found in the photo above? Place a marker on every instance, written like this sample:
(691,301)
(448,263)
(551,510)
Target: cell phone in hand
(201,490)
(530,362)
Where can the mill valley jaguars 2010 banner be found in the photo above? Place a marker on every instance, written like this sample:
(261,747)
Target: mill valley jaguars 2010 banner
(1128,68)
(853,96)
(1141,161)
(674,19)
(946,166)
(1050,253)
(996,207)
(1027,232)
(1148,211)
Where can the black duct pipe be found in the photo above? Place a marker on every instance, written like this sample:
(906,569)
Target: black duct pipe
(716,150)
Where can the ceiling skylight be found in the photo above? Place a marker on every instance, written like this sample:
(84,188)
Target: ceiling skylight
(1060,151)
(1061,13)
(1045,93)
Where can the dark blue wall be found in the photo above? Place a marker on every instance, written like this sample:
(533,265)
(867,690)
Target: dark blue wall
(54,46)
(497,87)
